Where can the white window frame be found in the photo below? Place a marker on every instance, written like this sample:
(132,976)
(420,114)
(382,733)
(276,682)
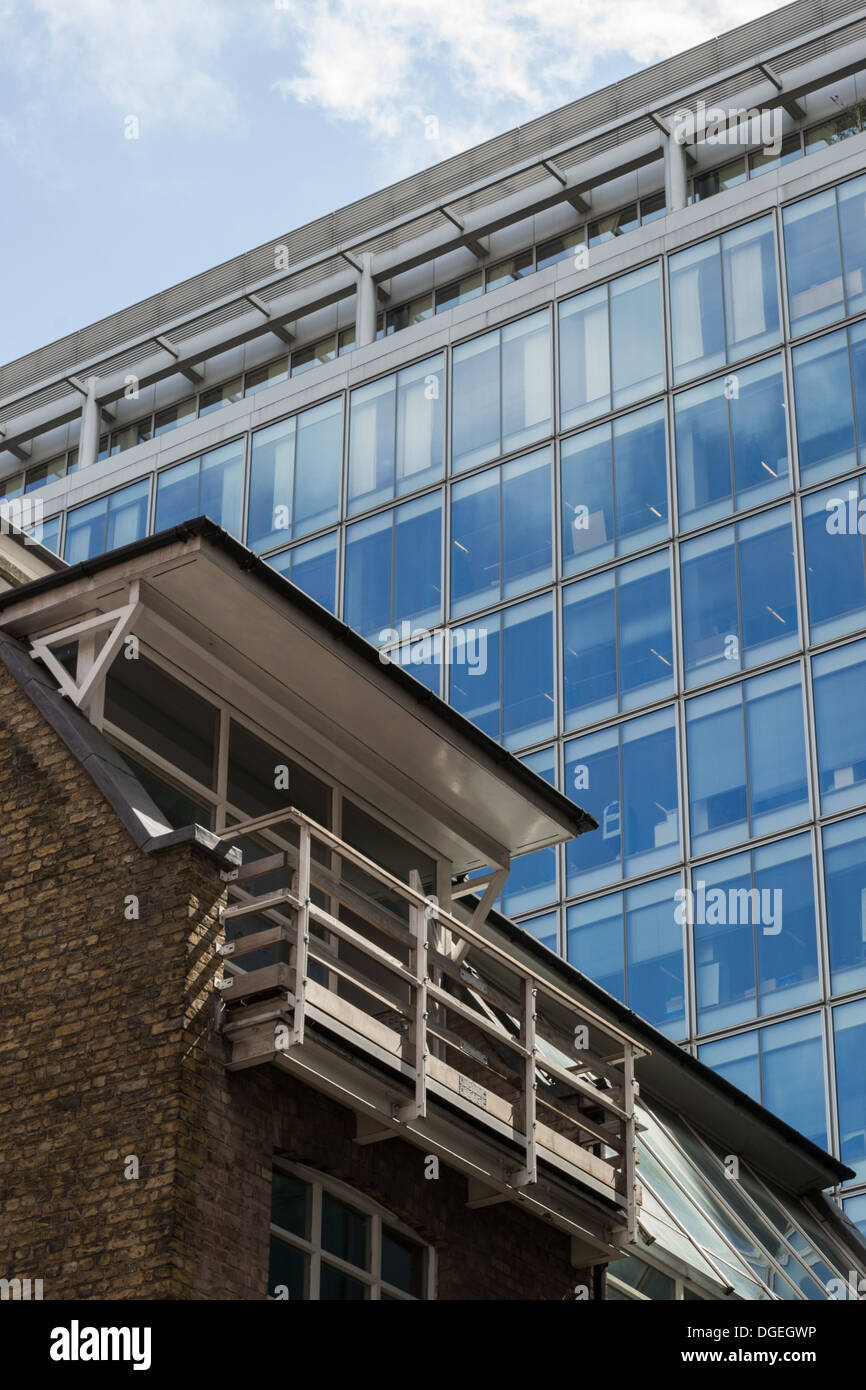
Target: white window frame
(377,1215)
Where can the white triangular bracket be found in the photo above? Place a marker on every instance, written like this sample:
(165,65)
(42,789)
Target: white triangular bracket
(120,620)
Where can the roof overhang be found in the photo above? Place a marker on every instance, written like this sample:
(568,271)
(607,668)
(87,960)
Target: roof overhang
(212,608)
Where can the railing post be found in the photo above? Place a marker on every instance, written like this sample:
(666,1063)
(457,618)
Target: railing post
(627,1129)
(302,935)
(529,1173)
(417,1109)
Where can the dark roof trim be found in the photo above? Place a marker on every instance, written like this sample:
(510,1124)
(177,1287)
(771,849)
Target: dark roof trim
(202,527)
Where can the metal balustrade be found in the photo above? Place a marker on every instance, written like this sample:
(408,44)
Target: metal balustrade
(463,1021)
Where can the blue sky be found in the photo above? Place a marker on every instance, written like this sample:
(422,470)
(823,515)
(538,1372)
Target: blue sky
(254,116)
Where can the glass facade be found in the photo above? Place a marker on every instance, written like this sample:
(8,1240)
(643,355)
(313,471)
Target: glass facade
(625,534)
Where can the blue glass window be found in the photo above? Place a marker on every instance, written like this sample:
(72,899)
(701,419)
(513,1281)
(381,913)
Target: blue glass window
(755,934)
(828,385)
(724,299)
(394,570)
(422,659)
(501,673)
(614,489)
(617,647)
(825,256)
(596,941)
(737,1060)
(732,446)
(295,476)
(502,392)
(313,567)
(630,944)
(855,1210)
(845,891)
(782,1067)
(834,530)
(747,760)
(545,929)
(849,1025)
(739,596)
(610,344)
(47,533)
(211,485)
(532,880)
(626,777)
(838,680)
(501,533)
(108,523)
(654,955)
(396,434)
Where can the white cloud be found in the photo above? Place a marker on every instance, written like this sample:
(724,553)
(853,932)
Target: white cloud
(156,59)
(477,65)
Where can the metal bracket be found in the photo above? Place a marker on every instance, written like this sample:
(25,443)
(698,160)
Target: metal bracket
(120,620)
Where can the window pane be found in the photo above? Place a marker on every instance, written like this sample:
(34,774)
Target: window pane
(527,384)
(527,673)
(758,436)
(724,943)
(418,562)
(253,773)
(718,180)
(474,674)
(127,515)
(589,650)
(751,297)
(792,1066)
(786,937)
(717,770)
(644,631)
(313,567)
(258,378)
(222,486)
(85,531)
(636,336)
(460,292)
(506,272)
(475,405)
(765,557)
(372,424)
(708,575)
(272,485)
(845,879)
(475,542)
(640,478)
(587,499)
(532,879)
(852,221)
(704,474)
(697,319)
(176,495)
(178,807)
(551,252)
(174,415)
(813,262)
(545,928)
(654,943)
(318,464)
(595,941)
(420,424)
(614,224)
(167,717)
(650,793)
(290,1203)
(838,678)
(737,1060)
(334,1286)
(218,396)
(835,562)
(592,779)
(402,1262)
(527,524)
(369,546)
(849,1023)
(288,1271)
(584,357)
(344,1232)
(776,750)
(825,415)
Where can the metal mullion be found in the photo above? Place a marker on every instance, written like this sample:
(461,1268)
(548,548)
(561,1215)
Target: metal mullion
(363,1276)
(693,1241)
(291,1238)
(145,752)
(316,1238)
(795,1223)
(375,1229)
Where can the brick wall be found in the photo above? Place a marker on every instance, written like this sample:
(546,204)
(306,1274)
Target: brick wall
(106,1051)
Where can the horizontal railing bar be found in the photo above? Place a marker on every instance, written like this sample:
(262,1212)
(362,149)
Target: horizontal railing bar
(582,1088)
(245,945)
(348,972)
(257,868)
(367,947)
(478,1020)
(261,904)
(439,914)
(595,1130)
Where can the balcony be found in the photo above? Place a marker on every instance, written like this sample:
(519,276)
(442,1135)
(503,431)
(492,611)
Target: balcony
(366,987)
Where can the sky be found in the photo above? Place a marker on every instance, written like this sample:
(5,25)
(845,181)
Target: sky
(142,141)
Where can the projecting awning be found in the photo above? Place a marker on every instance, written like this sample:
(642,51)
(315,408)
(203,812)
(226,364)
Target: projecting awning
(216,611)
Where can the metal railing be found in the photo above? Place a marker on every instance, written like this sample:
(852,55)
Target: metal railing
(466,1020)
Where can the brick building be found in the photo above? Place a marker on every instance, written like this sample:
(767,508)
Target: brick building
(264,1033)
